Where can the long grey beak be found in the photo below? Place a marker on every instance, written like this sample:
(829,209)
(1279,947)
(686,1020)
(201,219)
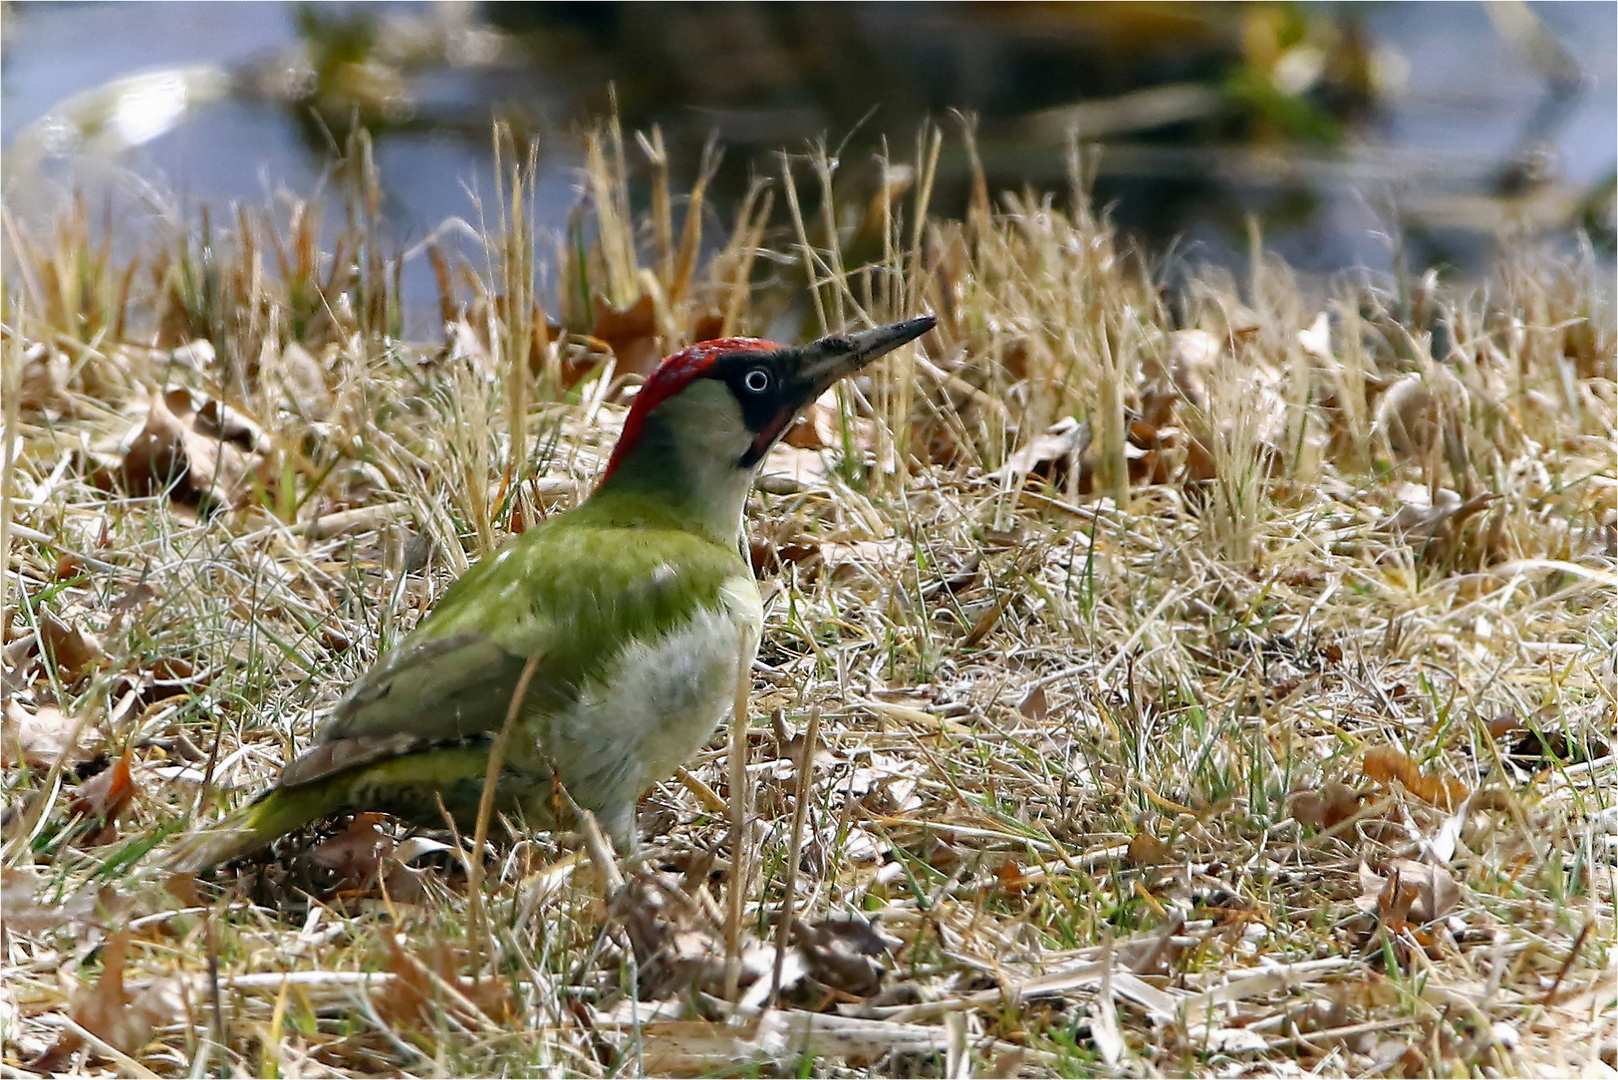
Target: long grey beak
(829,359)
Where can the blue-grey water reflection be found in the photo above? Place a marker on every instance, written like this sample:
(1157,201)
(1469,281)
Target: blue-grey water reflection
(1470,116)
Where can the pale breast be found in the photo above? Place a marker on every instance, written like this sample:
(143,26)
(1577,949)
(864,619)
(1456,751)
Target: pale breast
(660,704)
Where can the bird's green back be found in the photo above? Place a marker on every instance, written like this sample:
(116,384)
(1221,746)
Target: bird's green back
(571,592)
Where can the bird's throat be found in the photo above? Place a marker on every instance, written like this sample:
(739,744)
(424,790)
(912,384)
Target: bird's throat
(692,477)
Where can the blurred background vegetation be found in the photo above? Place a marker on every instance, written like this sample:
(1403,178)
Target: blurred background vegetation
(1392,136)
(1115,593)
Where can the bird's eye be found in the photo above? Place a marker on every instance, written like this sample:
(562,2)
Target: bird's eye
(757,381)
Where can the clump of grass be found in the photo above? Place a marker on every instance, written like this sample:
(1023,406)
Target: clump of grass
(1120,740)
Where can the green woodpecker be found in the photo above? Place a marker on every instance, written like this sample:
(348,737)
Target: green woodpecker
(637,609)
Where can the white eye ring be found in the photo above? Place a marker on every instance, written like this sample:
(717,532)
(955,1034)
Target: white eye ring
(757,381)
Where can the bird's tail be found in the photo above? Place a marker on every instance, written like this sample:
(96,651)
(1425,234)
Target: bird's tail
(274,813)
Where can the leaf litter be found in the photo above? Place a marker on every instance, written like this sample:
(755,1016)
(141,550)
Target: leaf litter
(1154,652)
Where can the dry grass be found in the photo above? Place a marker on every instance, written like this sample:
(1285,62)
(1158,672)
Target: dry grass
(1207,682)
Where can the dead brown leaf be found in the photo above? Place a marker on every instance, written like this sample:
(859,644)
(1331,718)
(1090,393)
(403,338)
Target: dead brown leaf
(983,625)
(940,444)
(1147,850)
(1408,415)
(787,749)
(845,954)
(74,651)
(46,375)
(1178,375)
(1495,799)
(39,738)
(428,984)
(1550,745)
(1050,454)
(1154,452)
(1386,764)
(1406,891)
(1199,462)
(885,783)
(183,887)
(630,333)
(137,597)
(1505,724)
(356,853)
(1334,803)
(707,325)
(208,453)
(769,557)
(816,427)
(1425,516)
(25,910)
(1034,705)
(791,469)
(878,559)
(218,421)
(104,796)
(1011,878)
(121,1019)
(676,945)
(303,379)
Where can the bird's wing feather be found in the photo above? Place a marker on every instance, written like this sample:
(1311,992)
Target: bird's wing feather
(571,596)
(431,687)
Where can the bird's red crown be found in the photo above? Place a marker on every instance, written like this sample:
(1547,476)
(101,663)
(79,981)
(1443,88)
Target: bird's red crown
(673,375)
